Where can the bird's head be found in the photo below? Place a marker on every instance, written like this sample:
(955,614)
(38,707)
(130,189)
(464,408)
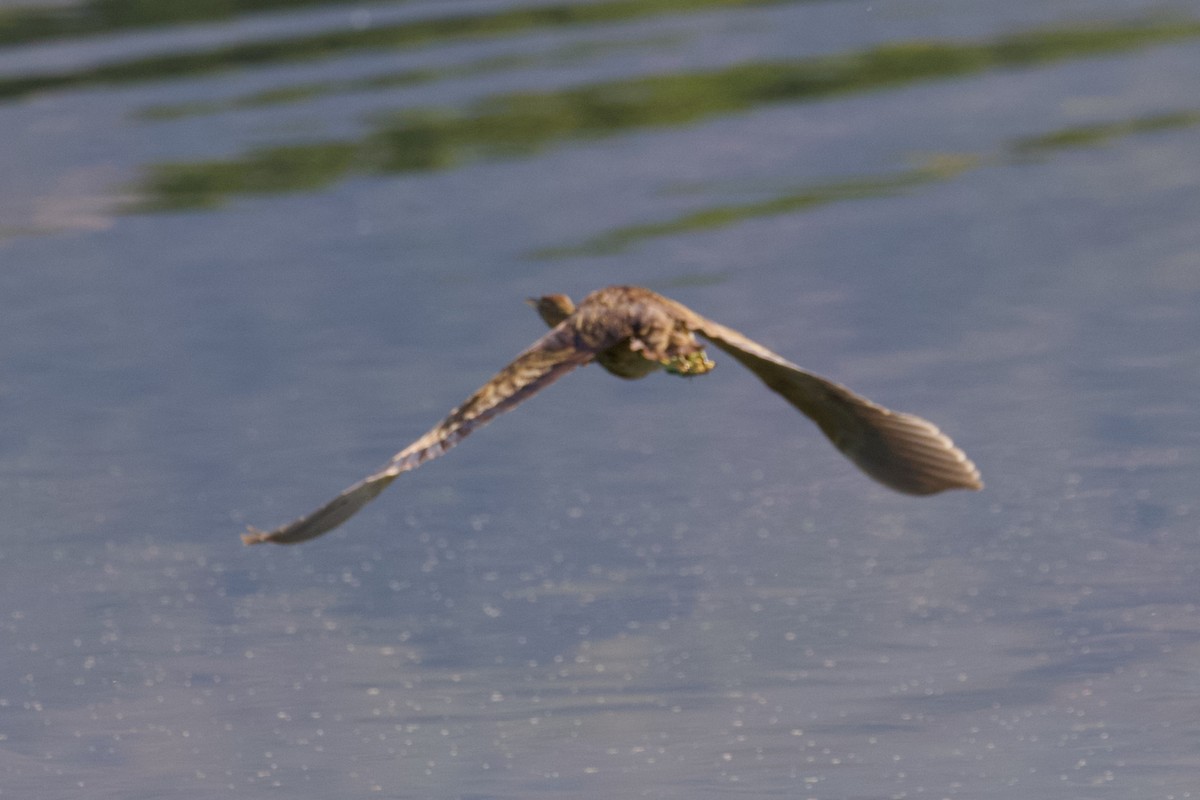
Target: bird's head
(552,308)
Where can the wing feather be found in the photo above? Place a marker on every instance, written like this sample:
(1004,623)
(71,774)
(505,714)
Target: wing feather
(901,451)
(545,361)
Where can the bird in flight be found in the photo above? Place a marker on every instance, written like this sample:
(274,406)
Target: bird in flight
(632,332)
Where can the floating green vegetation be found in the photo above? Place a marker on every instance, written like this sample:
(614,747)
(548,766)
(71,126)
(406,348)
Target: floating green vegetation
(507,22)
(524,123)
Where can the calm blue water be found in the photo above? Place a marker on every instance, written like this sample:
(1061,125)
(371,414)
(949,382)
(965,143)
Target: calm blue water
(240,266)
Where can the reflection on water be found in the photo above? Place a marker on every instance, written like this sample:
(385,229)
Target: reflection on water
(413,77)
(523,123)
(32,23)
(122,14)
(1104,133)
(662,589)
(939,168)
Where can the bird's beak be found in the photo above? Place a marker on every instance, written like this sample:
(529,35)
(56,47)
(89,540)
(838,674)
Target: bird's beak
(532,301)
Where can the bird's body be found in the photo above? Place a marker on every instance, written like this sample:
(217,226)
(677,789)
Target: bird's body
(652,335)
(632,332)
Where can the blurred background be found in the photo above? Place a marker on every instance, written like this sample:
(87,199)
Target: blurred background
(250,248)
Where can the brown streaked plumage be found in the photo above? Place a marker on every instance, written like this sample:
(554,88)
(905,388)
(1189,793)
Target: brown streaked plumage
(631,332)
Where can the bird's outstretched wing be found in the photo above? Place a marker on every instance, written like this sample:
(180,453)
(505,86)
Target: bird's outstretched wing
(546,360)
(901,451)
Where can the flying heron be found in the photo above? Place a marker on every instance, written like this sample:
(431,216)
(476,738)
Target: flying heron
(632,332)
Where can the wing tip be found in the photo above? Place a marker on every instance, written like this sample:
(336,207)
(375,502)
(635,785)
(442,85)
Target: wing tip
(967,479)
(975,481)
(914,457)
(254,536)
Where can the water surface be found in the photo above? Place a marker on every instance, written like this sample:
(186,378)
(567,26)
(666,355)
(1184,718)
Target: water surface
(249,255)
